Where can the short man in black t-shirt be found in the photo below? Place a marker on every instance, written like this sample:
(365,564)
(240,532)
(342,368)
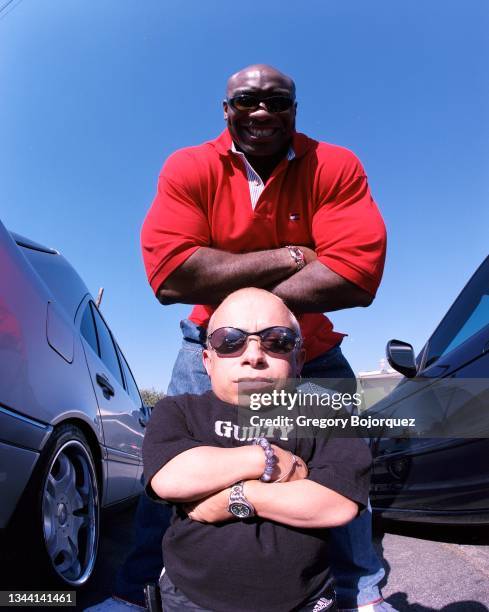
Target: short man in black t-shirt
(250,527)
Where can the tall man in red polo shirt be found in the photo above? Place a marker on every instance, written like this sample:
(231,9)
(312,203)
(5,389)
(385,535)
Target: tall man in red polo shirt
(265,206)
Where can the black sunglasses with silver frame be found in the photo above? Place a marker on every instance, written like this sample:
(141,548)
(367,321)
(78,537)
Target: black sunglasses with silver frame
(277,339)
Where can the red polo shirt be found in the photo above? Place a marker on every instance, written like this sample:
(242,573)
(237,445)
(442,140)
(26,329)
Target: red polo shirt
(318,199)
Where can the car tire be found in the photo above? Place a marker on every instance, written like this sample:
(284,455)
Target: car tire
(65,496)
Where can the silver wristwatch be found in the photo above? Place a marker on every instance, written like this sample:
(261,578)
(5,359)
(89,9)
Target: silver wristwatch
(238,505)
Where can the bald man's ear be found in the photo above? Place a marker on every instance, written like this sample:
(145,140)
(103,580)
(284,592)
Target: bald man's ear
(207,361)
(225,107)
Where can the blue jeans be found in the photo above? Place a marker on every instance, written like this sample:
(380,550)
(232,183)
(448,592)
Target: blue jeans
(354,562)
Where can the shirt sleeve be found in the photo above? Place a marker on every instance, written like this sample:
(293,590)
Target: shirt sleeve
(347,227)
(176,224)
(343,465)
(167,435)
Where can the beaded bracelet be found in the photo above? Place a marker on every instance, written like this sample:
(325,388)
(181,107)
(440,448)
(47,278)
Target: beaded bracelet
(270,459)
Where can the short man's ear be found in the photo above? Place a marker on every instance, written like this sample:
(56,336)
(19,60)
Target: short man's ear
(225,107)
(206,360)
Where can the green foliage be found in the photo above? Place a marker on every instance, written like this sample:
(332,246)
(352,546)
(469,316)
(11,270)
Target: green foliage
(151,396)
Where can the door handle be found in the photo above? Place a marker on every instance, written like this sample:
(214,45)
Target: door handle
(103,382)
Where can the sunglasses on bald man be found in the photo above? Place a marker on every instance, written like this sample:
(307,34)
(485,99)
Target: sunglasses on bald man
(250,102)
(231,340)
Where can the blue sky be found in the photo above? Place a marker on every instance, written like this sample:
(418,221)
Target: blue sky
(95,96)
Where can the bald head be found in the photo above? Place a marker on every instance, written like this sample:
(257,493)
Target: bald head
(252,306)
(251,364)
(262,75)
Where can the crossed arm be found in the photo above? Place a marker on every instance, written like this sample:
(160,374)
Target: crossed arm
(200,479)
(209,275)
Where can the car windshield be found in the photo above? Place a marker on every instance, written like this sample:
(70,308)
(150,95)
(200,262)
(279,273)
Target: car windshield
(468,316)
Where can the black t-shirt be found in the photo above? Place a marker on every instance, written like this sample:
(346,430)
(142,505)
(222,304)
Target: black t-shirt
(254,565)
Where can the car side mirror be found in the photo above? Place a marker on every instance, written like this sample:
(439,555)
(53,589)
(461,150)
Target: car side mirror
(400,356)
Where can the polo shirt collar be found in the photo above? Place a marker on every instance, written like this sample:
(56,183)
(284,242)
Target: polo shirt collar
(290,152)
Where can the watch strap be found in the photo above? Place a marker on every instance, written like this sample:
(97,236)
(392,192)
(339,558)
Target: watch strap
(237,496)
(297,255)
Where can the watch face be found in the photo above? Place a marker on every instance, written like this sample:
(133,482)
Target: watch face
(240,510)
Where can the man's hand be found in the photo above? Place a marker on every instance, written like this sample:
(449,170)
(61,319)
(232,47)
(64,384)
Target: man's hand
(309,254)
(211,509)
(316,288)
(300,471)
(302,503)
(284,463)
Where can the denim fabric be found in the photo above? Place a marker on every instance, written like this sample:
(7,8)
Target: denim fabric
(144,562)
(189,375)
(354,562)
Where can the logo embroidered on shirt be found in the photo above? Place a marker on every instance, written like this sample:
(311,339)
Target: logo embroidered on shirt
(322,604)
(294,216)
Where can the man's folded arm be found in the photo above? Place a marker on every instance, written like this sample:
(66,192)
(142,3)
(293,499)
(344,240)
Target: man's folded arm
(317,288)
(209,275)
(180,467)
(201,471)
(301,503)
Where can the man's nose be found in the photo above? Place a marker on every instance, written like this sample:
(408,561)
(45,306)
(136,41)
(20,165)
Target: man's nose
(253,354)
(261,111)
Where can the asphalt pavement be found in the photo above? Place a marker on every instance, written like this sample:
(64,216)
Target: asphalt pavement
(435,568)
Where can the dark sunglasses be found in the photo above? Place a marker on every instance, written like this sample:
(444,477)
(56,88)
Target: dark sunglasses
(277,339)
(273,104)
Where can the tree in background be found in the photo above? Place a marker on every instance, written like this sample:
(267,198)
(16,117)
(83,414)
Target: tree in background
(151,396)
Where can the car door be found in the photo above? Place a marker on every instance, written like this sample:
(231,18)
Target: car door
(444,468)
(120,412)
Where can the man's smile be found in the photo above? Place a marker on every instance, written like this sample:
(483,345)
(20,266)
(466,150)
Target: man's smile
(260,132)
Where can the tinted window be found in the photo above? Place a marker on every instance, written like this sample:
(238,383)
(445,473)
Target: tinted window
(468,315)
(131,386)
(107,348)
(87,328)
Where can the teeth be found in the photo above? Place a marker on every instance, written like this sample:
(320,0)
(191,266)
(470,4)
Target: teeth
(259,133)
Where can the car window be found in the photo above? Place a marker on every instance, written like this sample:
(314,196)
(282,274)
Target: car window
(87,328)
(107,350)
(468,315)
(131,386)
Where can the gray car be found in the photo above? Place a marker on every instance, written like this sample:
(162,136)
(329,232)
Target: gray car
(71,416)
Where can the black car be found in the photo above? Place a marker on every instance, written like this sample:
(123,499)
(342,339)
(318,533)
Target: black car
(440,472)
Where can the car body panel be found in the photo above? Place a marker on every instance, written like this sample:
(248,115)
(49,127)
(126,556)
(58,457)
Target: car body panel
(121,423)
(46,380)
(12,482)
(21,441)
(434,477)
(60,333)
